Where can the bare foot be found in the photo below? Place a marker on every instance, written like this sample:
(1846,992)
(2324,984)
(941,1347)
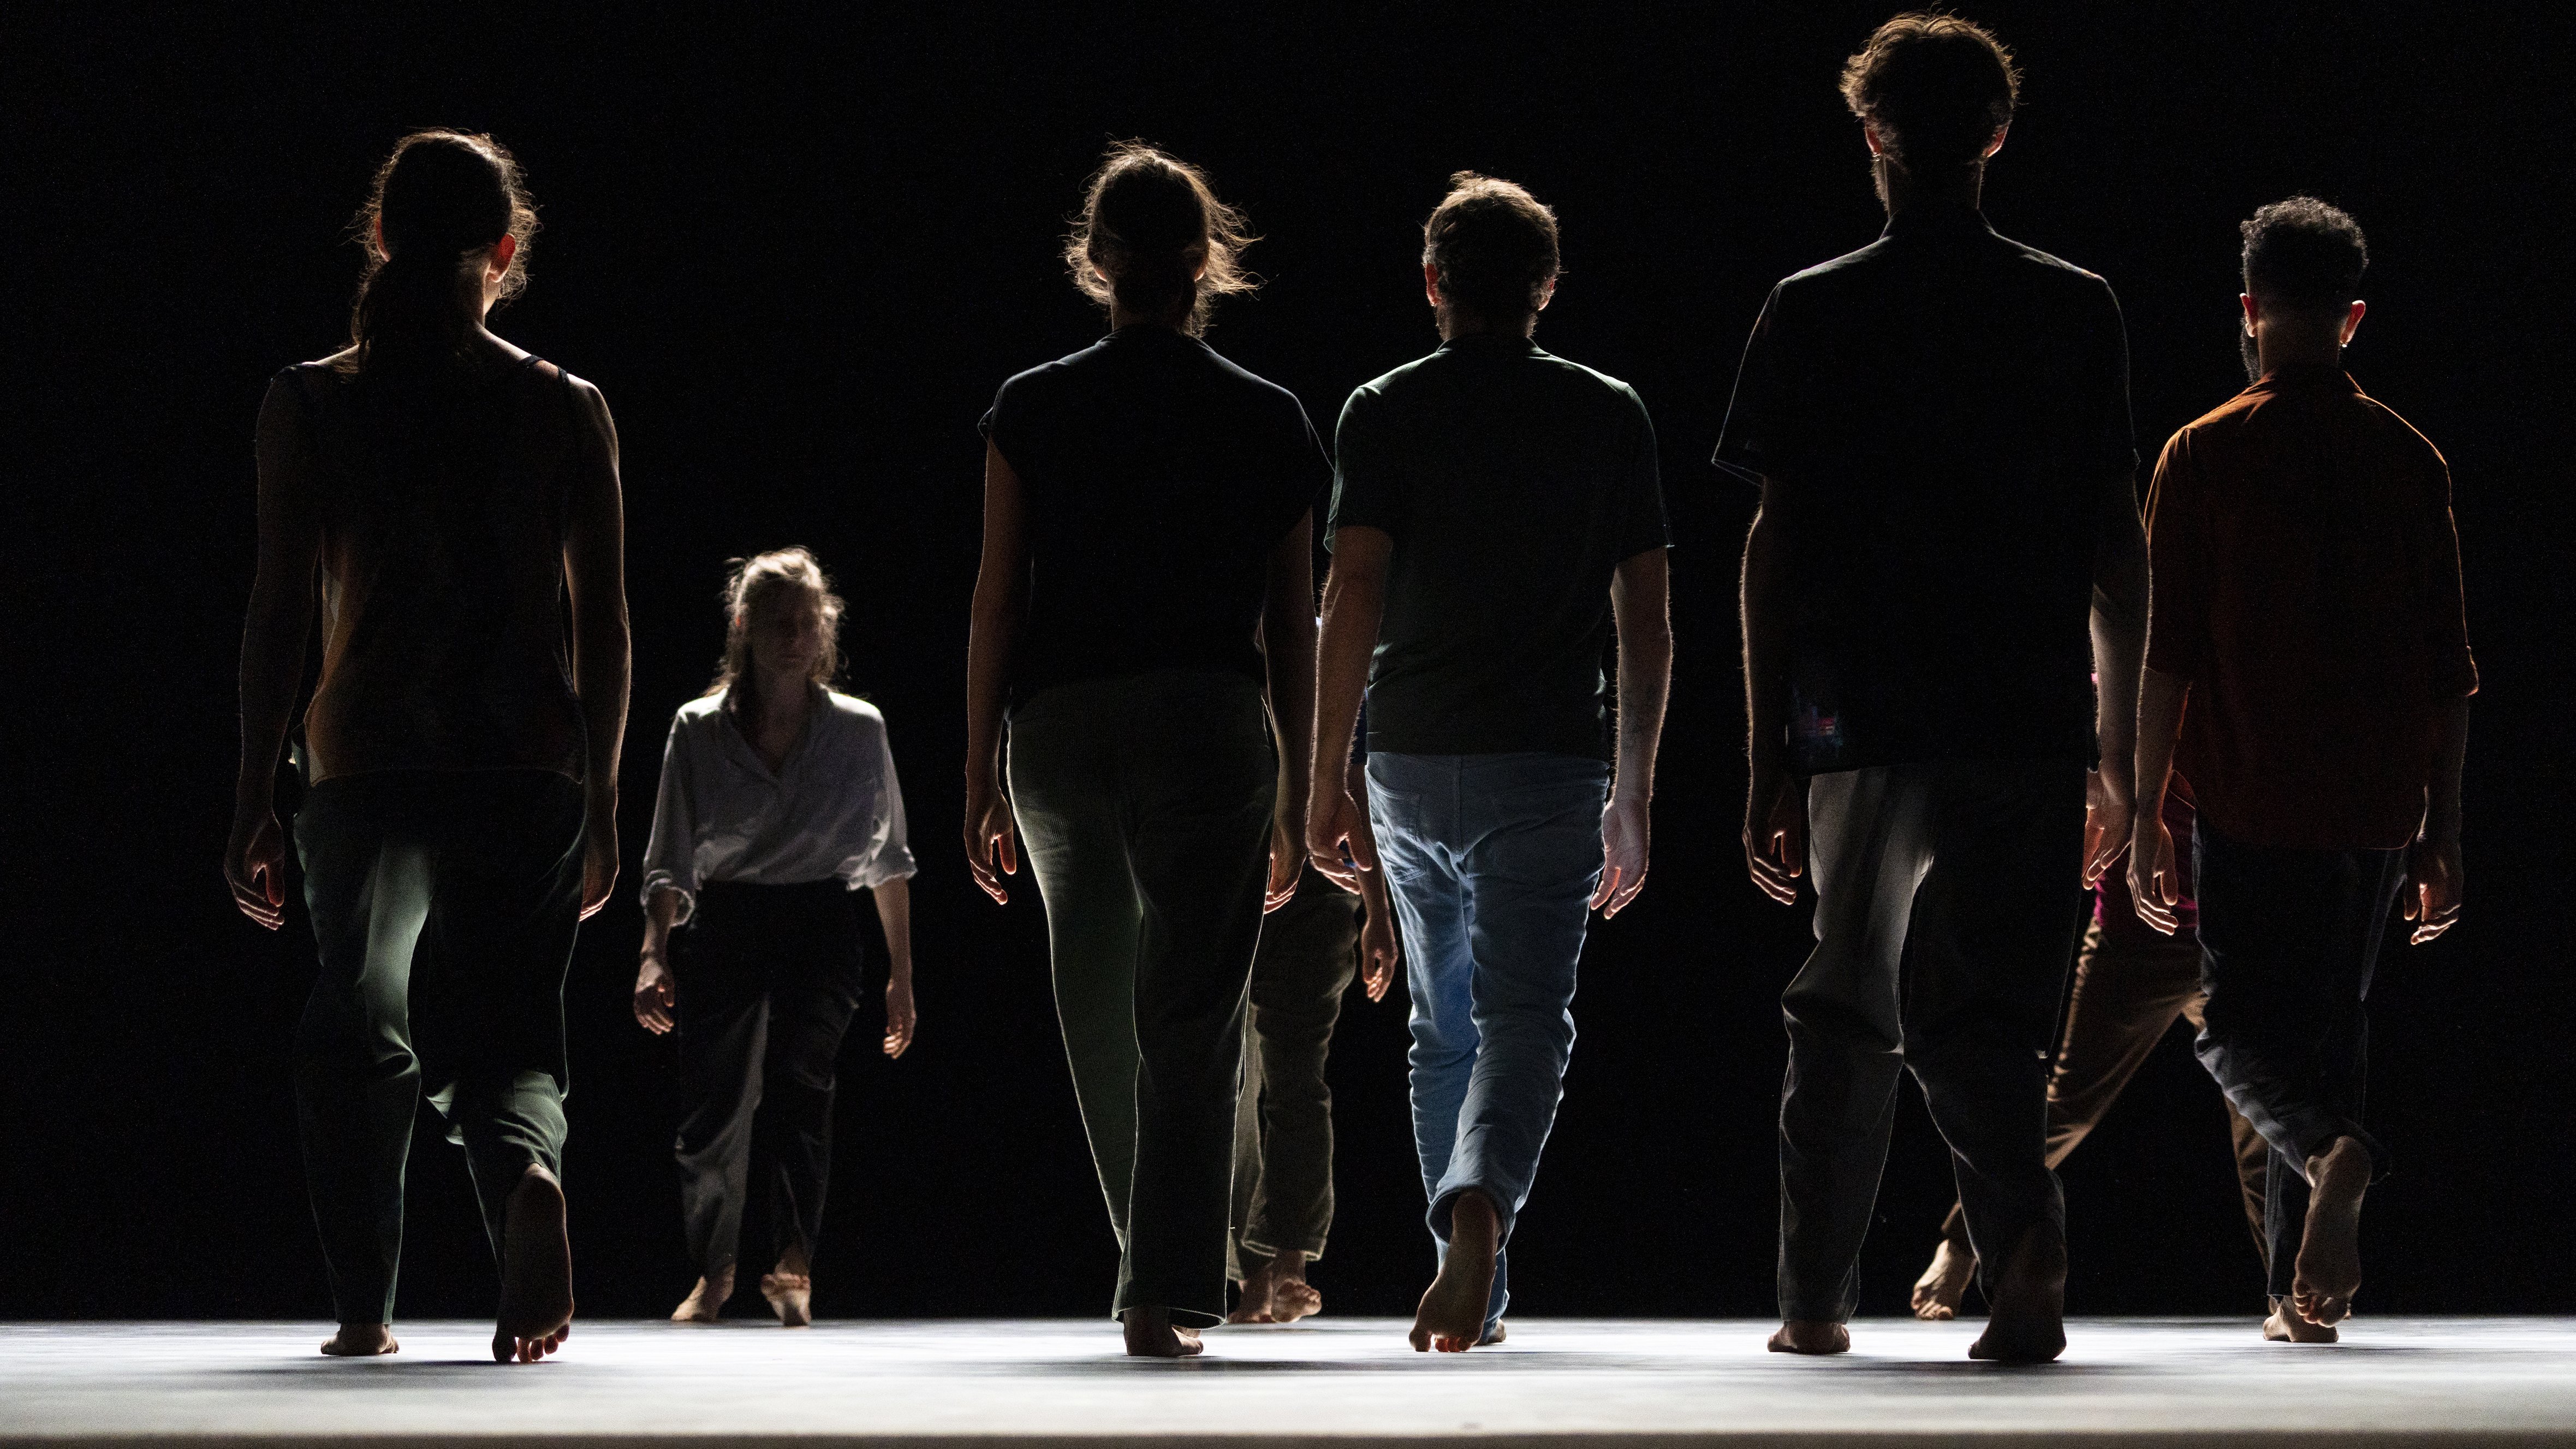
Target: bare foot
(361,1340)
(1152,1334)
(1452,1316)
(2329,1271)
(536,1272)
(2028,1321)
(1944,1285)
(1253,1304)
(791,1297)
(705,1303)
(1811,1336)
(1277,1292)
(1501,1331)
(2286,1326)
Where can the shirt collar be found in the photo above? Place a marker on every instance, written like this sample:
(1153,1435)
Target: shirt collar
(1498,344)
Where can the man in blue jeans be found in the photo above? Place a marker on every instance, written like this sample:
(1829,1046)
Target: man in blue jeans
(1495,510)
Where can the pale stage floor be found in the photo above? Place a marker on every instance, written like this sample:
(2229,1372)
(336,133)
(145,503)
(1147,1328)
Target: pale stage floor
(1558,1382)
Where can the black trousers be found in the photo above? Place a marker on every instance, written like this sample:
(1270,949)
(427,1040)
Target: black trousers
(1948,896)
(1283,1122)
(768,977)
(444,906)
(2288,942)
(1146,804)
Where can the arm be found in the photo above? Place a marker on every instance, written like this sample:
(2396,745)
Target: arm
(1775,810)
(272,655)
(1337,837)
(595,575)
(894,912)
(1379,948)
(2434,878)
(1288,652)
(2119,653)
(655,994)
(1001,603)
(1640,602)
(2153,883)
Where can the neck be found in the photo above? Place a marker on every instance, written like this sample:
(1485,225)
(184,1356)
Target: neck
(781,696)
(1456,323)
(1120,319)
(1903,193)
(2302,354)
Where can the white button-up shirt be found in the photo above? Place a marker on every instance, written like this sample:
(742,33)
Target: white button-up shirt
(833,809)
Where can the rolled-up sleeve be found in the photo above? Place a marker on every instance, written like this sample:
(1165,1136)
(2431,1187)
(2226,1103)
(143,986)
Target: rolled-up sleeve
(670,855)
(2177,567)
(889,852)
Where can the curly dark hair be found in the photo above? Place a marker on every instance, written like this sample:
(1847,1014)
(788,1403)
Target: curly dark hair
(1494,246)
(1937,87)
(2304,254)
(1154,229)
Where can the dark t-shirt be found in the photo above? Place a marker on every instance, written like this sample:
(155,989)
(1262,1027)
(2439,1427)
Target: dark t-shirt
(1937,413)
(1158,478)
(1513,484)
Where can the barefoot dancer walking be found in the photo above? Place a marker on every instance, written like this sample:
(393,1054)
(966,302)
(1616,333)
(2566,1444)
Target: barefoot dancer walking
(2307,612)
(1939,424)
(452,492)
(1496,509)
(778,800)
(1148,512)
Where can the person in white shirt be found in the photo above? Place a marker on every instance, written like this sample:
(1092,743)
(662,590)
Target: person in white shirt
(778,800)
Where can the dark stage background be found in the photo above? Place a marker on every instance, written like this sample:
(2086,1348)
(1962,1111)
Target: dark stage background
(798,256)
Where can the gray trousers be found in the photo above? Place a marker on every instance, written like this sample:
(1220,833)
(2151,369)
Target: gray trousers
(1283,1120)
(1948,896)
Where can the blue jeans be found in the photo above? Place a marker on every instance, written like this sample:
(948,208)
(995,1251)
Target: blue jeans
(1492,860)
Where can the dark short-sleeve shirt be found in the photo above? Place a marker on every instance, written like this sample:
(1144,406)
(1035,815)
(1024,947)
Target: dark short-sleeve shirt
(2307,584)
(1513,484)
(1158,478)
(1936,413)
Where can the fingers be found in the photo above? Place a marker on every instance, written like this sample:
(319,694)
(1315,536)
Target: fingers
(1607,887)
(1628,890)
(981,853)
(1774,875)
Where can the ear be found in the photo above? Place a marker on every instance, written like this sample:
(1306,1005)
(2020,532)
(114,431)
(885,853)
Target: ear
(502,250)
(1869,133)
(2253,309)
(1997,143)
(1431,283)
(376,236)
(2352,320)
(1547,294)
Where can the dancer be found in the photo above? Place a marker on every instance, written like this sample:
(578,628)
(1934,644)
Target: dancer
(1495,509)
(2130,984)
(1283,1121)
(2307,610)
(1939,424)
(1146,589)
(452,492)
(778,800)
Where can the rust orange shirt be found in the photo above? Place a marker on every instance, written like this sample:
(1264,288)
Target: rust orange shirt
(2307,584)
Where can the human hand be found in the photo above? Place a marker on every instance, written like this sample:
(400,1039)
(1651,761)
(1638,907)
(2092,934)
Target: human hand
(598,862)
(1378,952)
(899,1014)
(2154,884)
(255,865)
(1625,833)
(1337,842)
(1287,864)
(2107,823)
(2431,895)
(992,840)
(1775,834)
(655,993)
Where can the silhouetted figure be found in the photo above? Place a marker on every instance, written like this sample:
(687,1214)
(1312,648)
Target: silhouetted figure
(1283,1121)
(1148,516)
(2131,982)
(2308,610)
(453,492)
(1939,423)
(1495,510)
(778,800)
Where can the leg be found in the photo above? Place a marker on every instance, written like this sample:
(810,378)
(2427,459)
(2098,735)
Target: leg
(1200,778)
(357,1080)
(2253,1155)
(820,974)
(1867,831)
(1307,957)
(723,1034)
(1986,955)
(506,908)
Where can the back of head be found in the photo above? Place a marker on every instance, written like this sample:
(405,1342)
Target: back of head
(1493,247)
(1936,87)
(2302,255)
(1153,240)
(440,197)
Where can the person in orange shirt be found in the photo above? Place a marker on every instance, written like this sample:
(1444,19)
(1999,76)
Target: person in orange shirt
(2307,686)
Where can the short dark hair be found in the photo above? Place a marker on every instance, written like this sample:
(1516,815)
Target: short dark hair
(2304,254)
(1493,246)
(1937,87)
